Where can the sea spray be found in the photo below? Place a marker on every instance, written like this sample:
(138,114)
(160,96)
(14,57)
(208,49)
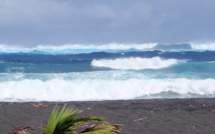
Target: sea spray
(76,48)
(135,63)
(100,89)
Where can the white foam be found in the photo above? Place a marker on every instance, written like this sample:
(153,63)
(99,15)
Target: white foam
(98,89)
(110,46)
(203,46)
(88,48)
(134,63)
(74,48)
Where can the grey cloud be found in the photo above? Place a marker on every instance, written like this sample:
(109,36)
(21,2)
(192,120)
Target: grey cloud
(31,12)
(35,22)
(99,11)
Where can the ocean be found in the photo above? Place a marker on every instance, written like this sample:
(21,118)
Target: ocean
(107,72)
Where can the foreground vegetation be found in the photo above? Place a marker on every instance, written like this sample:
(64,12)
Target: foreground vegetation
(66,122)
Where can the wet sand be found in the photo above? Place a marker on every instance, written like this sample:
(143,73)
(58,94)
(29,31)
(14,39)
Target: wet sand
(168,116)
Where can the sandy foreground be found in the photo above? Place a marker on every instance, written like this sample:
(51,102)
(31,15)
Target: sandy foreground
(159,116)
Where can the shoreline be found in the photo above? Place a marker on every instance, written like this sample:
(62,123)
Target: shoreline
(149,116)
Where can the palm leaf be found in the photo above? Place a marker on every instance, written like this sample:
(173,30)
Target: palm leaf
(68,122)
(64,122)
(52,121)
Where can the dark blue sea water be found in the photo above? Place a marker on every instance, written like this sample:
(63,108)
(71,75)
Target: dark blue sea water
(107,72)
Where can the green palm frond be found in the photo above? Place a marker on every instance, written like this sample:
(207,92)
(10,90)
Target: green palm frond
(65,122)
(62,116)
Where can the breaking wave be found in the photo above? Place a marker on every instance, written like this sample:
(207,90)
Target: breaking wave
(203,46)
(135,63)
(111,47)
(103,89)
(192,46)
(76,48)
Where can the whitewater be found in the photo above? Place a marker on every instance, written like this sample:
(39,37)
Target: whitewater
(75,72)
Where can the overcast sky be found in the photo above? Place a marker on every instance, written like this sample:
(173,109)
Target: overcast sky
(58,22)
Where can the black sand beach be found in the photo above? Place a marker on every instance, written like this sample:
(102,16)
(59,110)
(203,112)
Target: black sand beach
(168,116)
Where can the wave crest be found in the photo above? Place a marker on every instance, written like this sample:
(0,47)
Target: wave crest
(134,63)
(203,46)
(111,47)
(97,89)
(76,48)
